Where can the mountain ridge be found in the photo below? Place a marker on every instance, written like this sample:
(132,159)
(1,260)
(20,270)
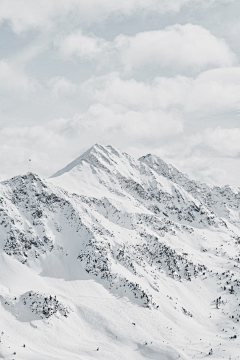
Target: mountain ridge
(112,233)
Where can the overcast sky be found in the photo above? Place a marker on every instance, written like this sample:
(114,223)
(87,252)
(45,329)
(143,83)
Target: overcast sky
(146,76)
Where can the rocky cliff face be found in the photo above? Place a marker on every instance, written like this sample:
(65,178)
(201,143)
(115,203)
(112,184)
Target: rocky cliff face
(140,230)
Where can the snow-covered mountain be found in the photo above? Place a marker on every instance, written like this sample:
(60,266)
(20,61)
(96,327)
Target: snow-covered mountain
(117,258)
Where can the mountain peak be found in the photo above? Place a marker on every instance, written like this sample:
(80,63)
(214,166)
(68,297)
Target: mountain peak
(95,150)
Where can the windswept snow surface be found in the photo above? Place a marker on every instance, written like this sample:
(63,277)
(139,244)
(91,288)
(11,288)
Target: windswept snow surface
(117,258)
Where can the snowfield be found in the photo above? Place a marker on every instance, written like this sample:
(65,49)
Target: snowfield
(116,258)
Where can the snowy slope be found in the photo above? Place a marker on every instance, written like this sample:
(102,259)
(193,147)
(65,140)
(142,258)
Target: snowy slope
(117,258)
(225,201)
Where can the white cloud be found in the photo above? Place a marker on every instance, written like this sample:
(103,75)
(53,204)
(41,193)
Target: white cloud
(176,46)
(210,92)
(60,86)
(220,141)
(27,14)
(13,79)
(112,89)
(213,90)
(85,47)
(216,142)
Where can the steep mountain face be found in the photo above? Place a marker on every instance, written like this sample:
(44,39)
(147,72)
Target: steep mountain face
(117,175)
(126,256)
(225,202)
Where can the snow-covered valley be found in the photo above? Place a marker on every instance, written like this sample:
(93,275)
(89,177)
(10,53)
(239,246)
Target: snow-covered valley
(117,258)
